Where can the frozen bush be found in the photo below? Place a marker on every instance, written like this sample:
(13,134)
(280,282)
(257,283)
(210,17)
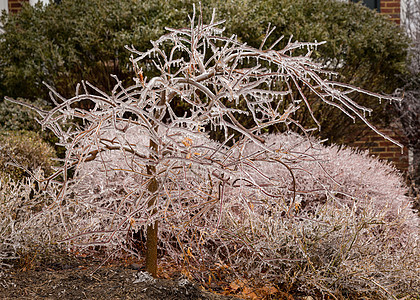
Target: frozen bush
(350,228)
(269,207)
(28,220)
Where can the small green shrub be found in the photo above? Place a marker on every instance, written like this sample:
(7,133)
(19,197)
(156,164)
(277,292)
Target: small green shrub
(20,150)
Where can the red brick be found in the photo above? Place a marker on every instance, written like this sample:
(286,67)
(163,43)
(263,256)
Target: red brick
(401,167)
(359,142)
(377,150)
(385,144)
(19,2)
(391,8)
(16,5)
(364,139)
(385,2)
(393,4)
(387,155)
(386,10)
(376,138)
(357,145)
(393,149)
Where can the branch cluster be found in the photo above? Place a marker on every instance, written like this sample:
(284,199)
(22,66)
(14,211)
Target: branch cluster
(262,205)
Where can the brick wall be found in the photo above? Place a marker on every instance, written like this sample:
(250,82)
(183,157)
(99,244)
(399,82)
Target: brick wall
(16,5)
(384,149)
(391,8)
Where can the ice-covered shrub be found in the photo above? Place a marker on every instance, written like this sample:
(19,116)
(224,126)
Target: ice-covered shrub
(351,226)
(28,220)
(255,204)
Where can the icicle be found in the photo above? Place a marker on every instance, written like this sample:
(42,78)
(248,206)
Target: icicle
(236,97)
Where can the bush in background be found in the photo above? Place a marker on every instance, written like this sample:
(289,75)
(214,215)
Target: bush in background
(77,40)
(14,118)
(62,46)
(24,151)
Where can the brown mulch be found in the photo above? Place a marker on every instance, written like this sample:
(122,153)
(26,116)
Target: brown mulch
(107,282)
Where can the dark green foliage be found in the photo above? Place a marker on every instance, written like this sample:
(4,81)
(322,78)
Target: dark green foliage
(365,48)
(27,149)
(76,40)
(362,45)
(84,40)
(14,117)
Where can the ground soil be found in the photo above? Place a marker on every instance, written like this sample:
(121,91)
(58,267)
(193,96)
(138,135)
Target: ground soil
(87,279)
(61,275)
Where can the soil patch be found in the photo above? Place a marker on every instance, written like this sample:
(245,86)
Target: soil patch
(84,280)
(106,283)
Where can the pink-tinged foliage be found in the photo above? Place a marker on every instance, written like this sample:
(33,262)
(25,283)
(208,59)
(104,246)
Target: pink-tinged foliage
(340,173)
(282,207)
(350,220)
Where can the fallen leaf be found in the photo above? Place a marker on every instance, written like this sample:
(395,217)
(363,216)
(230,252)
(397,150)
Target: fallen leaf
(234,285)
(249,293)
